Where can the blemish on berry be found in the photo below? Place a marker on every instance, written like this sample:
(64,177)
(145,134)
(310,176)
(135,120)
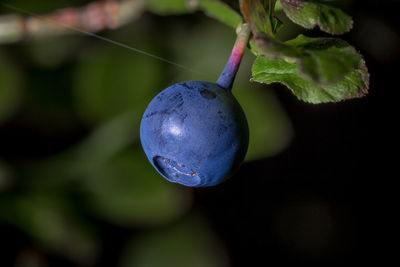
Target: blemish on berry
(186,86)
(208,94)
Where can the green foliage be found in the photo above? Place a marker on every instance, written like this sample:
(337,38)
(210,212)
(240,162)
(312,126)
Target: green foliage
(317,70)
(10,88)
(278,6)
(353,85)
(260,16)
(329,69)
(324,60)
(312,13)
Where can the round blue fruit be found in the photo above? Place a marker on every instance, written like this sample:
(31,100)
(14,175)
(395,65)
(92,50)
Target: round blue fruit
(195,133)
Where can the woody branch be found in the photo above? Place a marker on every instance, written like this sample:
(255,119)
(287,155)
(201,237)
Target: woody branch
(94,17)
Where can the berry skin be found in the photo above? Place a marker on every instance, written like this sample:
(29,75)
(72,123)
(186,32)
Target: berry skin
(195,133)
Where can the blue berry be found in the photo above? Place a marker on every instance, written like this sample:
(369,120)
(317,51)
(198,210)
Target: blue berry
(195,133)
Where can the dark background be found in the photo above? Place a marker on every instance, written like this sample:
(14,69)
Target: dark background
(313,202)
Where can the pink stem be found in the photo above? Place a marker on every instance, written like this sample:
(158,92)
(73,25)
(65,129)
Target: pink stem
(228,75)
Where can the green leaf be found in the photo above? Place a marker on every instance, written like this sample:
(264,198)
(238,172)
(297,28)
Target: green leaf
(323,61)
(187,243)
(221,11)
(213,8)
(354,85)
(259,15)
(127,191)
(312,13)
(278,6)
(10,88)
(263,44)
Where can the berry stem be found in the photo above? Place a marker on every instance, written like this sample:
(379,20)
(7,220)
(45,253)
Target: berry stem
(228,75)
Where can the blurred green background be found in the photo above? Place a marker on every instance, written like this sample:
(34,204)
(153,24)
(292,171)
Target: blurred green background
(77,190)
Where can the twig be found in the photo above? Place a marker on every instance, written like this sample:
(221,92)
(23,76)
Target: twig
(94,17)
